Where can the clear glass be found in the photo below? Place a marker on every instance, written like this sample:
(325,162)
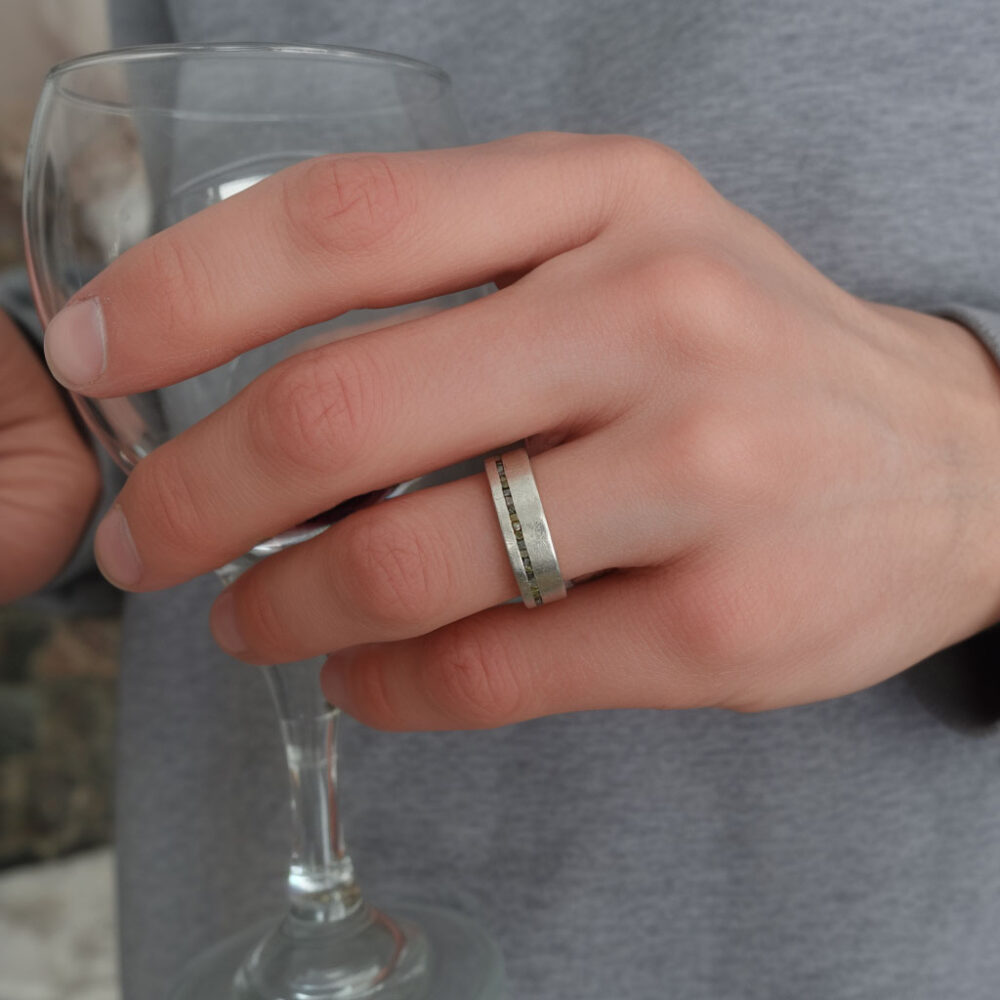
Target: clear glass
(127,143)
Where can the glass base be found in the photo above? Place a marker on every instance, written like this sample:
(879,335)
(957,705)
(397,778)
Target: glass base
(446,957)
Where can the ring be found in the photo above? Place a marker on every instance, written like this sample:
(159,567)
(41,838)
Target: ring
(524,528)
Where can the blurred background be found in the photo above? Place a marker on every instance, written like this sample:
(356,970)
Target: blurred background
(57,676)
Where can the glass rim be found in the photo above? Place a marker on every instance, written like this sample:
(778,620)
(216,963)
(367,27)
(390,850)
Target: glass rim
(140,53)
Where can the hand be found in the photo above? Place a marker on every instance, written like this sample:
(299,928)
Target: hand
(798,489)
(48,476)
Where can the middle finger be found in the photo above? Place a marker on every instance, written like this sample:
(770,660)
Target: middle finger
(358,415)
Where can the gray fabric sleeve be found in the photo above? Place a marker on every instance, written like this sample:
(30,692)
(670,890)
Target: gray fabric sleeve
(984,323)
(960,685)
(142,22)
(79,588)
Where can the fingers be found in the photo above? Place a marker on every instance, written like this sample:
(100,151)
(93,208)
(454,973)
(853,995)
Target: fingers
(48,475)
(324,237)
(510,663)
(360,415)
(415,563)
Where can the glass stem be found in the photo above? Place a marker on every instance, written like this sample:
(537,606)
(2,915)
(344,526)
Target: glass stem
(321,883)
(331,945)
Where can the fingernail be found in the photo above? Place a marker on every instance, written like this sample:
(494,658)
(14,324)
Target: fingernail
(224,626)
(76,345)
(115,550)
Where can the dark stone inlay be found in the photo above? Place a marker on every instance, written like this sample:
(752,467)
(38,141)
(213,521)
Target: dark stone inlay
(515,523)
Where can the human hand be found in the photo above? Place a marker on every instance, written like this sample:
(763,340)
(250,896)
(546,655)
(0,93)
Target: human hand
(797,488)
(48,475)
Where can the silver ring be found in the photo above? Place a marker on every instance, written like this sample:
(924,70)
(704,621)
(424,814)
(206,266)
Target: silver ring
(524,528)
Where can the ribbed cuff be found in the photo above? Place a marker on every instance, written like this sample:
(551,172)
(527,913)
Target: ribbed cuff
(984,323)
(961,685)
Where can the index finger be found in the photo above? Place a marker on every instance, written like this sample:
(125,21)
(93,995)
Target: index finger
(323,237)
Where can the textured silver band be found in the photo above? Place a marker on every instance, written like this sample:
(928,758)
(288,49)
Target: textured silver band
(524,528)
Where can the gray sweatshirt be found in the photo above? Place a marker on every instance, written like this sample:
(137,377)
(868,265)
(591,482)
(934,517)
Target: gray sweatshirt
(842,851)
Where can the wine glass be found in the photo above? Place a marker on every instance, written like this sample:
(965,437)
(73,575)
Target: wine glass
(124,144)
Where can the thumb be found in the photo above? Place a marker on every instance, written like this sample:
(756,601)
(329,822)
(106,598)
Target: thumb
(49,479)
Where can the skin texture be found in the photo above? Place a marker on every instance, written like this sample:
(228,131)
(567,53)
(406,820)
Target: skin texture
(796,490)
(48,475)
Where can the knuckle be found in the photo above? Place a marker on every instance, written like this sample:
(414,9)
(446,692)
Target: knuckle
(652,284)
(261,623)
(702,274)
(470,676)
(184,293)
(172,504)
(395,568)
(704,302)
(721,456)
(637,174)
(648,157)
(703,283)
(372,699)
(318,411)
(720,621)
(654,173)
(340,205)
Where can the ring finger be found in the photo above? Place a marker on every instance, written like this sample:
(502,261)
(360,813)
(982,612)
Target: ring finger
(418,562)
